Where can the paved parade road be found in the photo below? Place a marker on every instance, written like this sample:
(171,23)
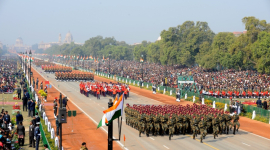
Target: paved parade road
(93,109)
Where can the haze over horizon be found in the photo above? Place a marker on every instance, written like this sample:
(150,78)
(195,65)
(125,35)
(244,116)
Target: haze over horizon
(130,21)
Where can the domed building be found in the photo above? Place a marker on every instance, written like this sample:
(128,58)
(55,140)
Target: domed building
(19,42)
(19,47)
(69,38)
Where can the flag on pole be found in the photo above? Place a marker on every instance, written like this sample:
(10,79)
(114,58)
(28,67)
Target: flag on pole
(32,59)
(124,137)
(112,113)
(141,60)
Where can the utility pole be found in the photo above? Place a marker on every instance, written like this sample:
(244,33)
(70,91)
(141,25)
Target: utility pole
(60,126)
(110,129)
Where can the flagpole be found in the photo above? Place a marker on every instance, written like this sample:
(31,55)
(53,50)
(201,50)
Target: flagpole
(110,129)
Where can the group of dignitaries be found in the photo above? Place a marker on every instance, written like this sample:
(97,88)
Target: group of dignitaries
(176,119)
(74,76)
(103,88)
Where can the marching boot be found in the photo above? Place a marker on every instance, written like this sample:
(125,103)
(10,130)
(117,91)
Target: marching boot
(193,136)
(214,136)
(201,140)
(139,134)
(169,137)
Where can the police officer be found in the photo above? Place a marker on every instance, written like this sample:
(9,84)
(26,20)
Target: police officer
(177,95)
(37,135)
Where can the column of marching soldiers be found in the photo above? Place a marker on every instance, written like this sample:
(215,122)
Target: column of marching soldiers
(178,119)
(63,73)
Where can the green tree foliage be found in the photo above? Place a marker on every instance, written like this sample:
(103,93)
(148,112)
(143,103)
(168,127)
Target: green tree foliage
(261,52)
(188,44)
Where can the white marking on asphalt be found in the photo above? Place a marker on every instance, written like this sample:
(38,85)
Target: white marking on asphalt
(152,138)
(245,144)
(84,112)
(256,135)
(166,147)
(103,107)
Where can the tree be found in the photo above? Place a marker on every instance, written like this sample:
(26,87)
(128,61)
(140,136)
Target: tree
(261,52)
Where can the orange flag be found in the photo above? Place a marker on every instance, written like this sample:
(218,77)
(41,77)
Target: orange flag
(124,137)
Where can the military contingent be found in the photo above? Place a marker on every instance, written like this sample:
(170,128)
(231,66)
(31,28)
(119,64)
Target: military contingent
(177,119)
(40,63)
(56,68)
(74,76)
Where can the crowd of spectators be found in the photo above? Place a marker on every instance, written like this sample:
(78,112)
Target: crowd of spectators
(8,75)
(227,80)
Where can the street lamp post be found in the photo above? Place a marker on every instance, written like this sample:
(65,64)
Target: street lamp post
(30,54)
(109,64)
(22,60)
(142,69)
(25,63)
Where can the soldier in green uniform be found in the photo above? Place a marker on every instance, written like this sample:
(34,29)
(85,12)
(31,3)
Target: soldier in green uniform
(235,123)
(141,123)
(194,126)
(171,127)
(202,126)
(228,122)
(221,123)
(185,124)
(215,123)
(156,123)
(149,126)
(179,121)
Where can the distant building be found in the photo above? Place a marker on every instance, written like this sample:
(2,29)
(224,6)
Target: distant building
(68,40)
(136,44)
(19,47)
(239,33)
(1,45)
(159,38)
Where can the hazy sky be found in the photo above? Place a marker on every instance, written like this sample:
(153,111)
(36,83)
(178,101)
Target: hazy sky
(127,20)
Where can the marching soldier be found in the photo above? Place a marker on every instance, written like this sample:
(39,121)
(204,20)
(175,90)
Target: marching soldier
(215,123)
(203,132)
(171,127)
(141,123)
(235,123)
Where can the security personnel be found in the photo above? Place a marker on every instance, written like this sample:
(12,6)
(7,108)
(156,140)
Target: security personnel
(177,95)
(37,135)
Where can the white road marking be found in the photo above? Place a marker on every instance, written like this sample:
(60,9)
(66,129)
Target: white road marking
(256,135)
(103,107)
(245,144)
(152,138)
(84,112)
(166,147)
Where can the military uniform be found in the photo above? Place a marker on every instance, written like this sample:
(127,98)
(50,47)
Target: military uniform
(202,126)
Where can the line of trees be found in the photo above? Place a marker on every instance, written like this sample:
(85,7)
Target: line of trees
(188,44)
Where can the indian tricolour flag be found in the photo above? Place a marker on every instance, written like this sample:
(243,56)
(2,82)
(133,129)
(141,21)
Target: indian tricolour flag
(112,113)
